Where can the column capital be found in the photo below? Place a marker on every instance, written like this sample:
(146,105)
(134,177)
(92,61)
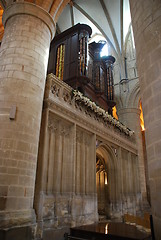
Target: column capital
(29,9)
(129,110)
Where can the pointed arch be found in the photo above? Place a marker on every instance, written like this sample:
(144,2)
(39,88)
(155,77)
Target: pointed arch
(119,102)
(134,97)
(112,171)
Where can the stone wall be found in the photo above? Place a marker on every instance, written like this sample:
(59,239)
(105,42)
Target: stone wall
(146,19)
(66,193)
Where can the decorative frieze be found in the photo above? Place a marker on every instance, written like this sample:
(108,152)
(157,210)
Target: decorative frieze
(67,97)
(55,89)
(99,112)
(59,126)
(85,105)
(83,137)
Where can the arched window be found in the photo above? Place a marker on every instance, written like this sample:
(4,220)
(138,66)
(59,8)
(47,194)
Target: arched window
(60,61)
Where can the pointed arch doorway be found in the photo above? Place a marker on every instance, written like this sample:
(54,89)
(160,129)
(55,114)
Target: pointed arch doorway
(106,184)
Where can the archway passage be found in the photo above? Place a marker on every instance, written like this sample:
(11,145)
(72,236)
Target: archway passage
(102,184)
(105,182)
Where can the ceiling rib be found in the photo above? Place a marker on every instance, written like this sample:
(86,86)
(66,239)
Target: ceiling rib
(127,37)
(58,28)
(111,26)
(121,21)
(51,7)
(95,23)
(123,73)
(71,13)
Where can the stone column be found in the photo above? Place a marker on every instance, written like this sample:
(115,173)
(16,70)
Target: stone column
(51,162)
(82,166)
(146,21)
(24,57)
(124,177)
(78,163)
(131,118)
(87,166)
(120,177)
(58,160)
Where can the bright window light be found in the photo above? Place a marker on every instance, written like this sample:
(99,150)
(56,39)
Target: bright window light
(104,51)
(133,42)
(126,17)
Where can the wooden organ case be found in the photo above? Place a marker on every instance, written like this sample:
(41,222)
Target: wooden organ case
(68,56)
(78,64)
(101,77)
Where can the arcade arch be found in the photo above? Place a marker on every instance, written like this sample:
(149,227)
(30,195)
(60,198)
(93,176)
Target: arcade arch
(106,180)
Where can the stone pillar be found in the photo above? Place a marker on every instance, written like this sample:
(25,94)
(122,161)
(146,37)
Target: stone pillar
(146,21)
(120,176)
(58,160)
(82,166)
(78,164)
(131,118)
(24,57)
(51,162)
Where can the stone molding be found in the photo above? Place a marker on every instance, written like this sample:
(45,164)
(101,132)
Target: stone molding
(18,8)
(134,96)
(129,110)
(58,126)
(83,137)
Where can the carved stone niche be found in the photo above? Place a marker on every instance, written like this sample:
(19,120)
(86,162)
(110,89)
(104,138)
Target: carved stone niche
(59,126)
(55,89)
(83,136)
(67,96)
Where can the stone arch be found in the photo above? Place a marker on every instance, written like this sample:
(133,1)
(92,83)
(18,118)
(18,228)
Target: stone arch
(127,38)
(54,8)
(119,102)
(134,97)
(109,157)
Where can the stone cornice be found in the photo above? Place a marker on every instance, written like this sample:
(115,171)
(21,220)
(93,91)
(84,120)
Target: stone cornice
(29,9)
(129,110)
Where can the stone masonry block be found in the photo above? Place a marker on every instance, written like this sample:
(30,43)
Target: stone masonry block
(3,191)
(2,203)
(16,191)
(12,170)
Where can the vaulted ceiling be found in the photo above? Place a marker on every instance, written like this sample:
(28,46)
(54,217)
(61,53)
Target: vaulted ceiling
(109,19)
